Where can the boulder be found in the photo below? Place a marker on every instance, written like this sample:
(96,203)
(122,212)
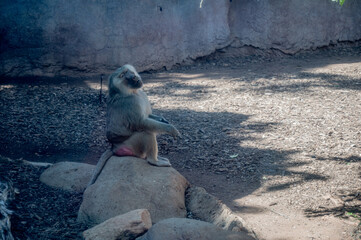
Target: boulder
(69,176)
(126,226)
(190,229)
(206,207)
(128,183)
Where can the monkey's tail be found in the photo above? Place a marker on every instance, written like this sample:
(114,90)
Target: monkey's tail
(100,165)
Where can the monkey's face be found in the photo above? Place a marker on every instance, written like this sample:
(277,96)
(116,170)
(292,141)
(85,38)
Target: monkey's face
(125,80)
(133,80)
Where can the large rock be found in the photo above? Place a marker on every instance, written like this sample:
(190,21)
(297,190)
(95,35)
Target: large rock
(69,176)
(128,183)
(183,228)
(206,207)
(126,226)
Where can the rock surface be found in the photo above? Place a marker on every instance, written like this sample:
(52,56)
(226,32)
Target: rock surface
(183,228)
(128,183)
(53,37)
(69,176)
(293,25)
(59,38)
(208,208)
(126,226)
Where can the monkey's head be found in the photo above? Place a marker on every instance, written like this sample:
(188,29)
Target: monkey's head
(132,78)
(125,79)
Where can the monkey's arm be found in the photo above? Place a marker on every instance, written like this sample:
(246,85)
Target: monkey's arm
(152,125)
(158,118)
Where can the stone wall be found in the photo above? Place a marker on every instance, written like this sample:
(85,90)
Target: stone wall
(294,25)
(60,37)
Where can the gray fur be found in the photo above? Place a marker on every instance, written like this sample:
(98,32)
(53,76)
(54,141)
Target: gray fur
(130,122)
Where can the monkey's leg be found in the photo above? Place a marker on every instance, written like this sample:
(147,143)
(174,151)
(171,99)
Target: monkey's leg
(161,162)
(122,150)
(133,146)
(144,145)
(152,153)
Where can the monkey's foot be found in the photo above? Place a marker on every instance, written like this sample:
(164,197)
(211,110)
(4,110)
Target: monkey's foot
(161,162)
(124,151)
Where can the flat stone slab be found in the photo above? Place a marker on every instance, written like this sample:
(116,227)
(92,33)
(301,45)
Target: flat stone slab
(206,207)
(69,176)
(125,226)
(190,229)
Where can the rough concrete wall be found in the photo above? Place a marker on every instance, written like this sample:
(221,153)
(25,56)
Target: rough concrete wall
(78,37)
(294,25)
(60,37)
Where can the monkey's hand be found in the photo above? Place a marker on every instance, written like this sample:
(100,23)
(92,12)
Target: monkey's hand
(158,118)
(152,125)
(163,120)
(174,132)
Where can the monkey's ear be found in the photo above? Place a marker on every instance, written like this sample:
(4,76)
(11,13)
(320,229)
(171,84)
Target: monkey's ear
(122,73)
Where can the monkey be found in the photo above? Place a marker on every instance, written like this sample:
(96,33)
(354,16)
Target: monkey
(131,127)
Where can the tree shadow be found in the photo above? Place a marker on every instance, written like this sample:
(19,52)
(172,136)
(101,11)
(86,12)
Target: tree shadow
(304,177)
(349,159)
(211,154)
(179,89)
(290,74)
(347,201)
(348,205)
(336,81)
(64,121)
(211,147)
(249,165)
(55,123)
(51,81)
(314,80)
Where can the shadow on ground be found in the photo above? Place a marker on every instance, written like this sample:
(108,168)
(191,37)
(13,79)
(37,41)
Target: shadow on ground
(62,120)
(53,123)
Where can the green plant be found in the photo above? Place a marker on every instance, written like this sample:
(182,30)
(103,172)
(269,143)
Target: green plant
(353,215)
(340,1)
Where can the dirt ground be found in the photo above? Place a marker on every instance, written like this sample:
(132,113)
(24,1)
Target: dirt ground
(275,137)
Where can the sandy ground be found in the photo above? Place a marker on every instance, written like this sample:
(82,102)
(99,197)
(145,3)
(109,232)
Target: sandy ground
(290,157)
(278,139)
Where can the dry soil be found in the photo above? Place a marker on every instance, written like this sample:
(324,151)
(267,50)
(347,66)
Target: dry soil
(277,138)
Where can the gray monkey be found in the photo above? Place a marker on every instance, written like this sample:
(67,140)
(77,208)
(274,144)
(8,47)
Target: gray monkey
(131,126)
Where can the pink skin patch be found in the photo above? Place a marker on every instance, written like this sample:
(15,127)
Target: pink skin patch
(124,151)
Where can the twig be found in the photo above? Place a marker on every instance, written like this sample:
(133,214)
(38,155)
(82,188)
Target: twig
(279,214)
(101,89)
